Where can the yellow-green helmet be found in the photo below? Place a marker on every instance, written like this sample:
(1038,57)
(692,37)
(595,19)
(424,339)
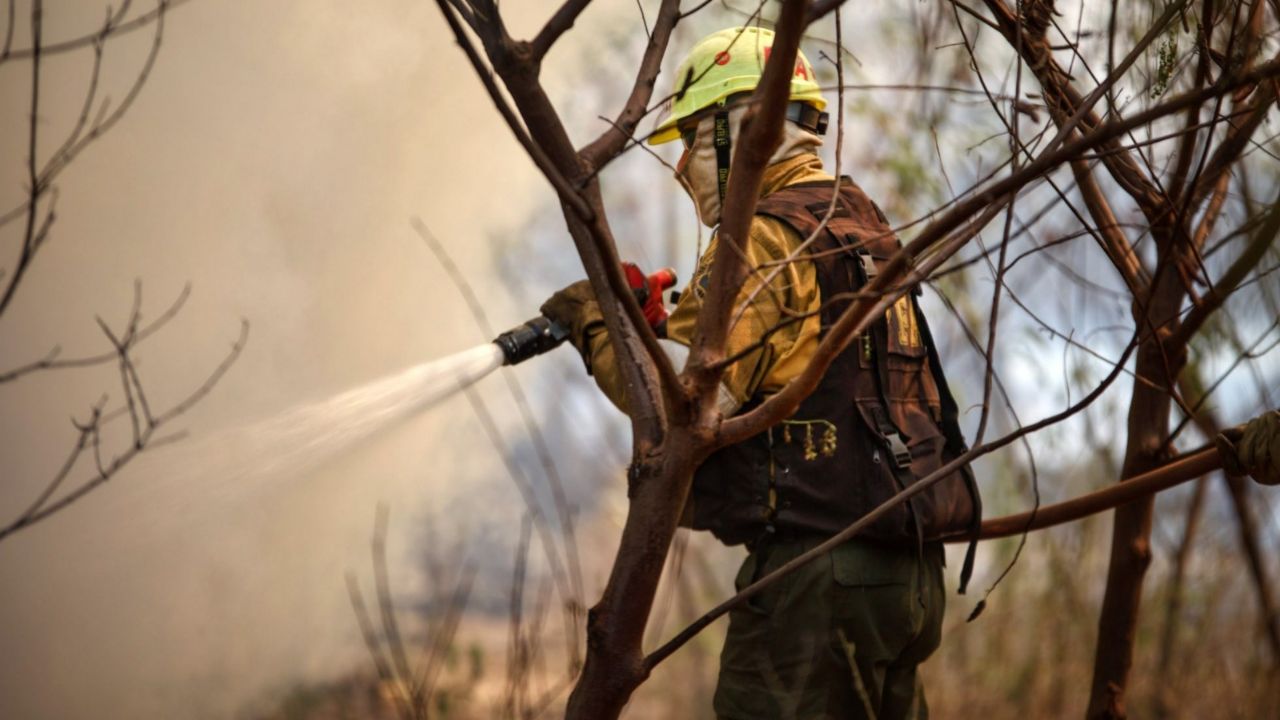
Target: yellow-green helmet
(725,63)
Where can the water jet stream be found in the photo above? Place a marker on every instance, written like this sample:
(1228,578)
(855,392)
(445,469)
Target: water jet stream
(228,467)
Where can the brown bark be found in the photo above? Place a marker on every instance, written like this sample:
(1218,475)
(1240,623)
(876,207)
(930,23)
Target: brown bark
(615,664)
(1156,307)
(1163,356)
(1065,101)
(660,470)
(615,625)
(1175,472)
(1147,447)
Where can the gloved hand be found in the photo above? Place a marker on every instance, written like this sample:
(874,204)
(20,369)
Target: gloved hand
(574,308)
(1257,452)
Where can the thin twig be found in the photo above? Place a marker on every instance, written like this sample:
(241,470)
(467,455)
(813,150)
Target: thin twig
(51,362)
(117,28)
(575,600)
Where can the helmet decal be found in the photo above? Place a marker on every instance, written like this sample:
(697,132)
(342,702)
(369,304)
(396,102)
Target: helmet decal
(726,63)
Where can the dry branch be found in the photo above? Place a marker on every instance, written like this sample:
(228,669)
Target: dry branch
(145,426)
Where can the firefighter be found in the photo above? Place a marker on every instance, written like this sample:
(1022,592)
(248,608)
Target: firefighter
(843,636)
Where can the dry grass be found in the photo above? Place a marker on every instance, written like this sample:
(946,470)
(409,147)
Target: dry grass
(1030,653)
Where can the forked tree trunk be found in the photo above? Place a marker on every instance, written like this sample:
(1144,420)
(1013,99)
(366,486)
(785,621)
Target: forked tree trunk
(1147,447)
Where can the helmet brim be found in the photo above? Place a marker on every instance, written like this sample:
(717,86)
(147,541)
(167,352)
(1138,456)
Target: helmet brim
(664,133)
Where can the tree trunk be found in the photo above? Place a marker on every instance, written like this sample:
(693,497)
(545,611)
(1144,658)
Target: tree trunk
(1148,435)
(615,625)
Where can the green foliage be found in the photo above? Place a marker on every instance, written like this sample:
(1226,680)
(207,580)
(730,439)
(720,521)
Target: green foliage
(1168,63)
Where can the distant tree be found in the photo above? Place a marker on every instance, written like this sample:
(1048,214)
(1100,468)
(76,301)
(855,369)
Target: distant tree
(95,455)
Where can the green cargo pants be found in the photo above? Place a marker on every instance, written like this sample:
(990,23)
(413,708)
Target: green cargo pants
(840,638)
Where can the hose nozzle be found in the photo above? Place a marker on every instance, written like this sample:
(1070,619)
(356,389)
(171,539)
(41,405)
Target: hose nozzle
(542,334)
(530,339)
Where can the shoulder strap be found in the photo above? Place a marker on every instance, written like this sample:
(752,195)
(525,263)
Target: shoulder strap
(955,445)
(886,430)
(798,205)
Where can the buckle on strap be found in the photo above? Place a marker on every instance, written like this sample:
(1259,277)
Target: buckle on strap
(868,265)
(808,117)
(898,449)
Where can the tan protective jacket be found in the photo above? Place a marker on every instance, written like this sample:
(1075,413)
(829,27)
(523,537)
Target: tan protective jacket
(793,291)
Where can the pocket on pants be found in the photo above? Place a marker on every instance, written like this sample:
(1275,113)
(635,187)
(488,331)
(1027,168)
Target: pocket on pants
(765,602)
(862,565)
(874,590)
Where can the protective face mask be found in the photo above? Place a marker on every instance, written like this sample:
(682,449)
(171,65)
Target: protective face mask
(698,176)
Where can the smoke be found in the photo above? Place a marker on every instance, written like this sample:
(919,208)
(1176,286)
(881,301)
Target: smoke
(272,160)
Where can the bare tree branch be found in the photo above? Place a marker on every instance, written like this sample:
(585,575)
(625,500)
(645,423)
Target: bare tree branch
(40,177)
(575,601)
(75,144)
(1185,468)
(901,272)
(567,194)
(522,485)
(115,26)
(1262,241)
(34,188)
(8,31)
(761,133)
(649,377)
(382,585)
(145,425)
(1248,531)
(380,662)
(558,25)
(612,141)
(51,362)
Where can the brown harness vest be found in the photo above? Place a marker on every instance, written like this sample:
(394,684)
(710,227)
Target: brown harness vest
(881,418)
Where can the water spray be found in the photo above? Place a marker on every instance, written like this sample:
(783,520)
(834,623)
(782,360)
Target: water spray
(259,455)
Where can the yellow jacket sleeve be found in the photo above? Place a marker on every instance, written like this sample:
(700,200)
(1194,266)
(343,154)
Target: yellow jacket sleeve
(773,326)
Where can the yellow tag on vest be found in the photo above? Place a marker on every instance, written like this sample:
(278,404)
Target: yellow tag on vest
(903,316)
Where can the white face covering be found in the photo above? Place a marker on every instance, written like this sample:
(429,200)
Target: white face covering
(698,176)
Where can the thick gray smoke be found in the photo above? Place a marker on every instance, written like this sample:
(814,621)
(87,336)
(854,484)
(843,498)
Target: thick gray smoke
(273,160)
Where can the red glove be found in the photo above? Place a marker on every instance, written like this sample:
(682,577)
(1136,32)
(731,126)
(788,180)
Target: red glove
(648,291)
